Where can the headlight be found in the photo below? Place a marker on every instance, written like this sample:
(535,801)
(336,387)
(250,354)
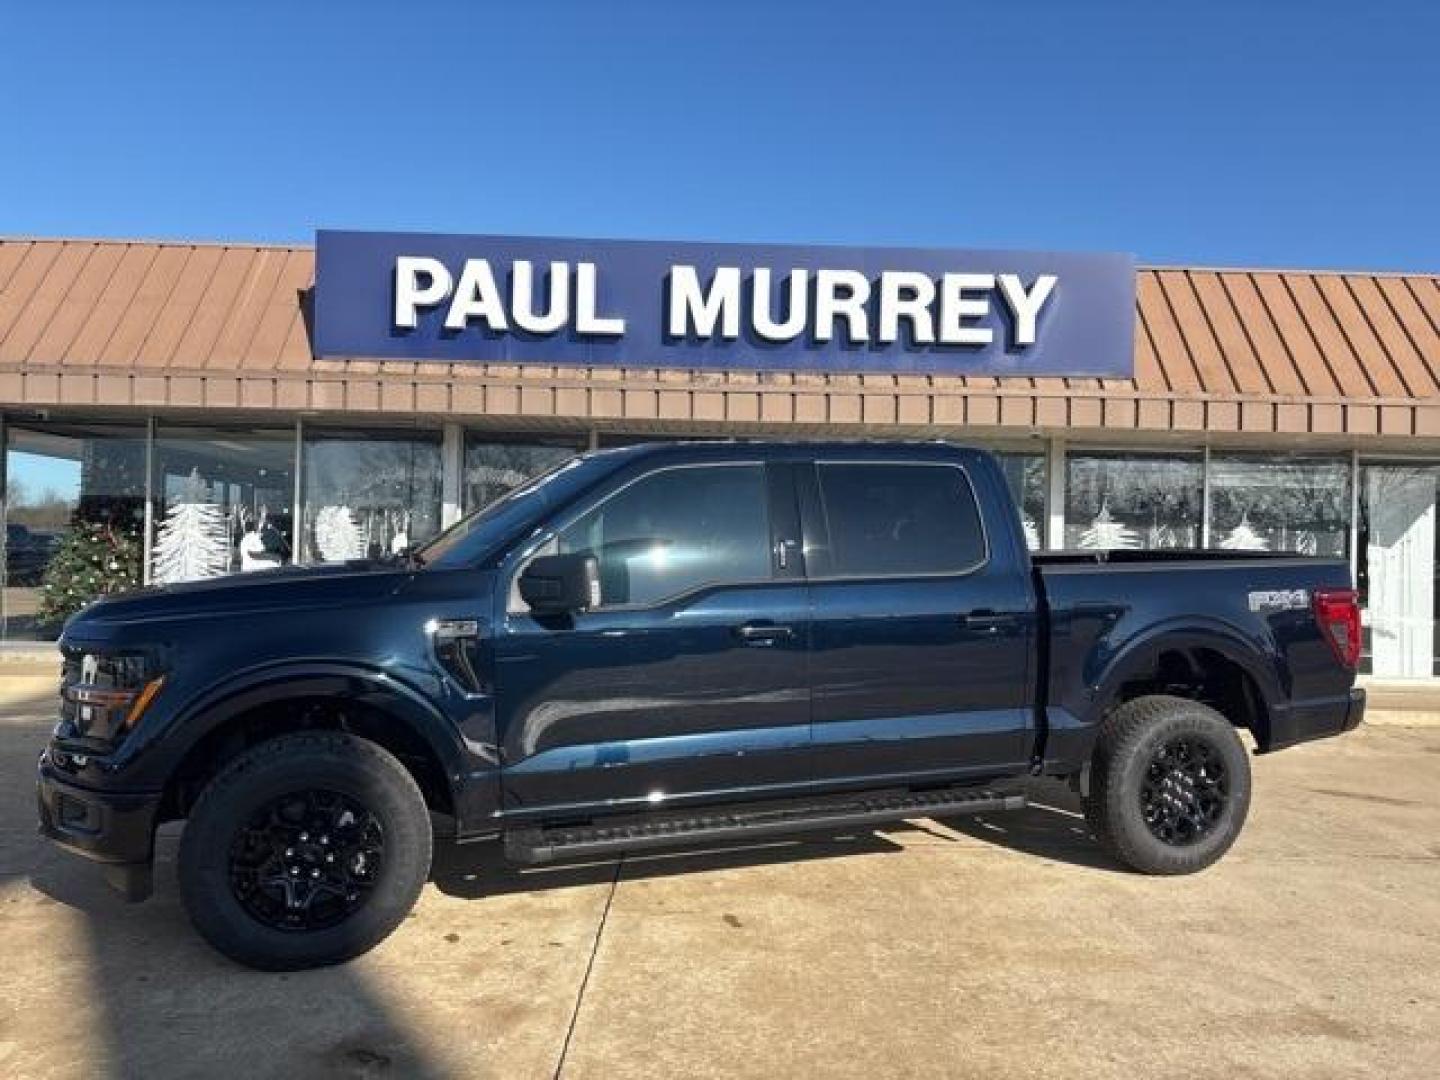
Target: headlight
(104,694)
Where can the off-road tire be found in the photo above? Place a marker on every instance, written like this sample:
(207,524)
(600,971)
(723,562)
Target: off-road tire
(1130,737)
(353,767)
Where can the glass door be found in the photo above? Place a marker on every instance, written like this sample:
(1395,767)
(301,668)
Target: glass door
(1397,568)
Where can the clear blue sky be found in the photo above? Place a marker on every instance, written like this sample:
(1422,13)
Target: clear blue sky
(1218,132)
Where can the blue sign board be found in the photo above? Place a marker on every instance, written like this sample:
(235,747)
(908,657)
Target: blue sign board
(505,299)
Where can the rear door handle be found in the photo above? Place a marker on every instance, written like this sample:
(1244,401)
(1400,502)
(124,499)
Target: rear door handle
(990,621)
(763,633)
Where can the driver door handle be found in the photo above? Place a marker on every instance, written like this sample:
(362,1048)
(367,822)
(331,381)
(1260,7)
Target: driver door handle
(757,633)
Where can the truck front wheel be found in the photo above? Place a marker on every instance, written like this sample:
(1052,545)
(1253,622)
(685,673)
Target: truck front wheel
(306,850)
(1169,785)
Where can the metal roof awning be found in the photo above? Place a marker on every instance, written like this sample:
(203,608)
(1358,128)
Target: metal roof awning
(90,323)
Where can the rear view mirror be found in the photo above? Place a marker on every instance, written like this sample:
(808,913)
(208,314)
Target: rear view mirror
(557,584)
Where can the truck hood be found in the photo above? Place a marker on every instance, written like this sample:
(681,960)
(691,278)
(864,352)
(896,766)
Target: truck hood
(287,588)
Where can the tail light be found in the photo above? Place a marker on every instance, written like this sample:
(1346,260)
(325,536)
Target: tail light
(1338,613)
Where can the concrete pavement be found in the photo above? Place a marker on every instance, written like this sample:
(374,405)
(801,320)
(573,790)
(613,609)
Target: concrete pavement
(970,948)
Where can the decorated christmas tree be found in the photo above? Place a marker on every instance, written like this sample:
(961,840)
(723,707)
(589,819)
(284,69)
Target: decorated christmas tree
(193,542)
(95,559)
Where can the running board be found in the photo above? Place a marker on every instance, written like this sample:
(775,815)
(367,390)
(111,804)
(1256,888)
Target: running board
(535,846)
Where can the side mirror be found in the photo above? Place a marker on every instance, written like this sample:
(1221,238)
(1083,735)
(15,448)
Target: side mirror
(558,584)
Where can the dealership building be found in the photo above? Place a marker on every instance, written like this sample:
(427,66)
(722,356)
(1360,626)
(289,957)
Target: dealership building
(229,408)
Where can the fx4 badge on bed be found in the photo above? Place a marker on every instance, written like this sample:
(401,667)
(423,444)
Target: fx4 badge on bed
(1279,600)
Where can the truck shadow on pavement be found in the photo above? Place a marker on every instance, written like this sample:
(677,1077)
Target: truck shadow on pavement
(169,1006)
(474,871)
(129,990)
(1051,827)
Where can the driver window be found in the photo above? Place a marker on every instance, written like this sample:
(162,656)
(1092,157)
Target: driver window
(675,530)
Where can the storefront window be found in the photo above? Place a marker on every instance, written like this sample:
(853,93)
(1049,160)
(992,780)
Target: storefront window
(1025,473)
(1396,569)
(1125,500)
(1275,503)
(494,466)
(369,493)
(223,501)
(74,521)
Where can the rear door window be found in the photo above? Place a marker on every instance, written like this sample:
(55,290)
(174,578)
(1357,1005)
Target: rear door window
(676,530)
(887,519)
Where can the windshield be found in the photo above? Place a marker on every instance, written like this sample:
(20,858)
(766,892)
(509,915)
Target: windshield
(472,537)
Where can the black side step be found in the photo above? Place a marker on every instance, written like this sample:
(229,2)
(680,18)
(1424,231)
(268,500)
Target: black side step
(547,845)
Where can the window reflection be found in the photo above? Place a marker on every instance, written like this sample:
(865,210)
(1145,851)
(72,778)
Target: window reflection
(368,494)
(494,466)
(1274,503)
(223,501)
(1025,475)
(74,521)
(1128,500)
(675,530)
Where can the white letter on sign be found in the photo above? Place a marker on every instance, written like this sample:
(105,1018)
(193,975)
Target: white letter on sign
(841,293)
(476,297)
(410,295)
(1026,306)
(955,307)
(795,310)
(691,306)
(522,298)
(586,301)
(908,295)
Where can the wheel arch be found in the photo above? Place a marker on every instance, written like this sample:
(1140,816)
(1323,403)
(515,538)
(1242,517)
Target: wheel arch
(255,707)
(1209,661)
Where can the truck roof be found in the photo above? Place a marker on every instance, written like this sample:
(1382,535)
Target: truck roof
(781,449)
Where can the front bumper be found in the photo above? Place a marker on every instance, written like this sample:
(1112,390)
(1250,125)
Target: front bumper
(114,828)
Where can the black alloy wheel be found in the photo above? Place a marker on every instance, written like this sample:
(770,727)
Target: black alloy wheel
(1168,785)
(1184,792)
(306,860)
(307,849)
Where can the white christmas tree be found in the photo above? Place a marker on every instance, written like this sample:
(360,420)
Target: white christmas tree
(1244,538)
(1107,533)
(337,536)
(193,541)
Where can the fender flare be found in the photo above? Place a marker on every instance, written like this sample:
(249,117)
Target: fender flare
(1259,659)
(332,680)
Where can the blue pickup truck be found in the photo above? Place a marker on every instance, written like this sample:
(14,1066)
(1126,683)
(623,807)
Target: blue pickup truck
(671,644)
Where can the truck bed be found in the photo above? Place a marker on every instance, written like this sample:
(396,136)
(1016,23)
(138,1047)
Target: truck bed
(1245,610)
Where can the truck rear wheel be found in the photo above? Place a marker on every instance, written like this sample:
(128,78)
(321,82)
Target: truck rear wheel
(308,849)
(1169,785)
